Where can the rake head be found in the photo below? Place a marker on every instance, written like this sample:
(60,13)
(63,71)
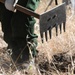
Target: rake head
(53,18)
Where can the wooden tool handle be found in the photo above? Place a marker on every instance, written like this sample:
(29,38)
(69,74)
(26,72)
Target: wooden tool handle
(24,10)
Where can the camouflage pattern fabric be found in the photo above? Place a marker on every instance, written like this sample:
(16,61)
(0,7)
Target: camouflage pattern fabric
(18,28)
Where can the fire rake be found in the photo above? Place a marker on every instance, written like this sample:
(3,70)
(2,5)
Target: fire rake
(48,20)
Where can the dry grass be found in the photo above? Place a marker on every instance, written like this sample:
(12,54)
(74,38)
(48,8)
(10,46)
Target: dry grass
(64,42)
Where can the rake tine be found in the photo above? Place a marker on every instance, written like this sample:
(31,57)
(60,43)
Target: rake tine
(46,36)
(64,26)
(60,26)
(50,19)
(42,37)
(56,30)
(50,33)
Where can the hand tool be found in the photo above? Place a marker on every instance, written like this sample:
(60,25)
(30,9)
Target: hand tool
(47,20)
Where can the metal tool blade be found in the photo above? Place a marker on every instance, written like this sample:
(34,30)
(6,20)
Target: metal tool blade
(42,37)
(60,26)
(56,30)
(50,33)
(50,19)
(46,36)
(64,26)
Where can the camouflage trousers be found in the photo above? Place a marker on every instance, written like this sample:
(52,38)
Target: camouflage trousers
(18,28)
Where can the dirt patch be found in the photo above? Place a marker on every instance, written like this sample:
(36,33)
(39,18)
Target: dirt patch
(61,63)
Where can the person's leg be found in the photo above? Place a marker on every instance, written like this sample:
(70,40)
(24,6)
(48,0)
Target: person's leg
(19,30)
(23,26)
(5,17)
(32,5)
(32,37)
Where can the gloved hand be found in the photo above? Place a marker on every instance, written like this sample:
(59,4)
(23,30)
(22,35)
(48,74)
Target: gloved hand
(10,4)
